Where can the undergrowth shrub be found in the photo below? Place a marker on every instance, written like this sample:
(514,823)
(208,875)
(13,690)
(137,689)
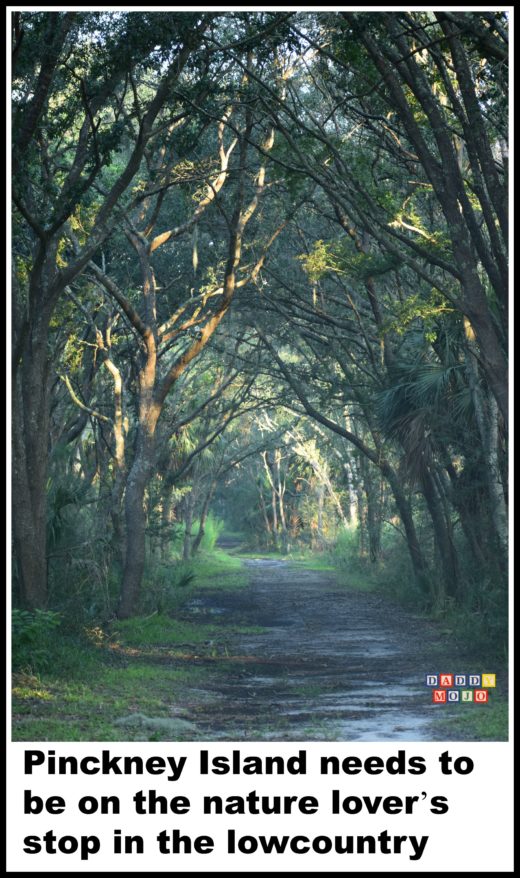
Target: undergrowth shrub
(165,586)
(212,530)
(392,573)
(33,639)
(478,623)
(481,624)
(344,552)
(41,644)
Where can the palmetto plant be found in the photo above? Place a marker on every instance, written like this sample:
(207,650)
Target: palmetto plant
(428,404)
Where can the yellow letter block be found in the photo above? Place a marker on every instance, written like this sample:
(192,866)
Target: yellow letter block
(489,681)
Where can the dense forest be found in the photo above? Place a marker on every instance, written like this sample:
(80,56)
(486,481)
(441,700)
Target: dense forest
(260,291)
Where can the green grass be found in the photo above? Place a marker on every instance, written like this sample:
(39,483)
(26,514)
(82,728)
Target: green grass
(52,709)
(312,562)
(360,579)
(168,586)
(219,570)
(485,722)
(161,630)
(93,685)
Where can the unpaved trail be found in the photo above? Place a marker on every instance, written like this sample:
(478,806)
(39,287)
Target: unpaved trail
(330,664)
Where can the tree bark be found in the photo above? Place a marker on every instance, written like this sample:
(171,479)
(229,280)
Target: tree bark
(203,517)
(188,523)
(447,553)
(135,517)
(419,565)
(137,482)
(29,479)
(373,523)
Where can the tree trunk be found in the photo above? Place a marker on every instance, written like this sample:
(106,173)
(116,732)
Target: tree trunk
(373,524)
(167,517)
(118,531)
(419,565)
(274,514)
(486,413)
(118,486)
(472,510)
(203,517)
(496,488)
(321,493)
(352,496)
(135,517)
(135,531)
(29,480)
(444,542)
(361,517)
(188,522)
(265,516)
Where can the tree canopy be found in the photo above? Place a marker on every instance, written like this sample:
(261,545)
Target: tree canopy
(259,272)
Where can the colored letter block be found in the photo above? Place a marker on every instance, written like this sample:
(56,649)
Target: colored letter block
(489,681)
(445,679)
(460,679)
(439,696)
(474,680)
(466,695)
(481,695)
(432,679)
(453,695)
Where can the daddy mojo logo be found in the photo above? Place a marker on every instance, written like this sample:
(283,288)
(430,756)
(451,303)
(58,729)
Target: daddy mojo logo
(453,688)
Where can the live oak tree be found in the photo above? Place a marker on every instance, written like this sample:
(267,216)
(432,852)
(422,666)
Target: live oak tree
(176,338)
(380,233)
(71,76)
(79,103)
(225,221)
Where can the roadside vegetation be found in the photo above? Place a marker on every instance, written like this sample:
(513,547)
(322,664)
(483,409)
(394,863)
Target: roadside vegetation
(120,680)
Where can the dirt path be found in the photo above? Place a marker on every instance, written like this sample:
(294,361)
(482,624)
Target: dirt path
(330,663)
